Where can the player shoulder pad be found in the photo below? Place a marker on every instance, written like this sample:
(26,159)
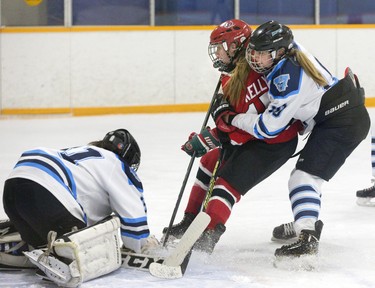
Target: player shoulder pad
(286,79)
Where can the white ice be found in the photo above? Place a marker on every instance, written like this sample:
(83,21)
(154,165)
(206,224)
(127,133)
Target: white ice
(244,255)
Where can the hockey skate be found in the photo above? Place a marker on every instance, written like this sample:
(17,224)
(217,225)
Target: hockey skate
(208,240)
(179,229)
(284,233)
(307,243)
(366,197)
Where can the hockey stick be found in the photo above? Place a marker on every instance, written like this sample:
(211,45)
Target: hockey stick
(189,168)
(174,266)
(213,179)
(139,261)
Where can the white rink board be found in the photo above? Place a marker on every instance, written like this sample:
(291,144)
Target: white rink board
(125,68)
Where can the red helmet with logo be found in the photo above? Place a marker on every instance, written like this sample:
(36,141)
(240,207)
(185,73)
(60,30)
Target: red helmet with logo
(231,31)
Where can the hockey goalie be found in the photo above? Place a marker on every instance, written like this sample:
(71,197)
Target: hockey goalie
(71,210)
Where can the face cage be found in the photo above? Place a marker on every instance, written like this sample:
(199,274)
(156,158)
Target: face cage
(217,62)
(255,65)
(135,161)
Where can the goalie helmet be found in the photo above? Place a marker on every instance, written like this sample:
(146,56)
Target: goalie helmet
(231,31)
(124,145)
(269,38)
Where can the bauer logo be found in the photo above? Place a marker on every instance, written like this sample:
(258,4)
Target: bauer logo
(337,107)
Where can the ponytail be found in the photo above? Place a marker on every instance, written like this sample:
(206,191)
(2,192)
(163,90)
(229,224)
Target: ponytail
(308,66)
(233,88)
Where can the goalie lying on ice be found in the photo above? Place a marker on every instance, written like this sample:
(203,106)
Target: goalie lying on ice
(72,189)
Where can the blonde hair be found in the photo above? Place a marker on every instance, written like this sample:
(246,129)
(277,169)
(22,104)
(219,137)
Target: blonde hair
(233,88)
(308,66)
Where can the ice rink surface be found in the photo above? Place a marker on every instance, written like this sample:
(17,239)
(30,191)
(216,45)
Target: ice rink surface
(244,255)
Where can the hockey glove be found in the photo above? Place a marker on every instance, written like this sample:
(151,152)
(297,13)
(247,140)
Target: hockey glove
(150,246)
(223,113)
(201,143)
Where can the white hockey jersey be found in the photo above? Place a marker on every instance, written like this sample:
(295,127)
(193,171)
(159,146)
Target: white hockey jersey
(292,94)
(91,183)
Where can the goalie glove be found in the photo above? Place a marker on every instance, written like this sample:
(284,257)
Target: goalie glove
(223,113)
(151,244)
(201,143)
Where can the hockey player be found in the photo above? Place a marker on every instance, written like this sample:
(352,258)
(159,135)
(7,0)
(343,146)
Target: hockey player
(246,160)
(75,201)
(332,111)
(366,197)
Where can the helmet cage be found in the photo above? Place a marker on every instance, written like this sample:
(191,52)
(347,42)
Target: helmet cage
(217,62)
(257,65)
(124,145)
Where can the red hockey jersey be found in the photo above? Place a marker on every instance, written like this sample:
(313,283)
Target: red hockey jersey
(254,99)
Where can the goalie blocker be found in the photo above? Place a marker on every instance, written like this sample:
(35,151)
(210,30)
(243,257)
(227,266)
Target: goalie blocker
(82,255)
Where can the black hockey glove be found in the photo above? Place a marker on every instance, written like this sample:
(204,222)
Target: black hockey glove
(223,113)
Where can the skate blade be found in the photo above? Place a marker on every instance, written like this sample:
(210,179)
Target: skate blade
(301,263)
(368,201)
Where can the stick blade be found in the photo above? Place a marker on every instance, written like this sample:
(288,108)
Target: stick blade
(175,265)
(165,272)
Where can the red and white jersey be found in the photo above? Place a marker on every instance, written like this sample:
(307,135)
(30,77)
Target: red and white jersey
(92,183)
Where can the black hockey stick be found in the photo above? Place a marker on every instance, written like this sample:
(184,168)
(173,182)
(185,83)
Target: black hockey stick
(190,166)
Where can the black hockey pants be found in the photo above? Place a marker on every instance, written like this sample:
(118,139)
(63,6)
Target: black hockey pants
(34,211)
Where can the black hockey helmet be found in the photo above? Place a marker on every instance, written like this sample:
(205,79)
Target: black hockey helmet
(124,145)
(271,37)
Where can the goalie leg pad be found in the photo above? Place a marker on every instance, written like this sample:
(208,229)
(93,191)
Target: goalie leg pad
(82,255)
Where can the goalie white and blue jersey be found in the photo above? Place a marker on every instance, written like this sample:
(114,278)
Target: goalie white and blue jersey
(92,183)
(293,95)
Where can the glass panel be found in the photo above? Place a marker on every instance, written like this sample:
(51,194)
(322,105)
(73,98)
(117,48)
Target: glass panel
(32,12)
(347,12)
(193,12)
(284,11)
(111,12)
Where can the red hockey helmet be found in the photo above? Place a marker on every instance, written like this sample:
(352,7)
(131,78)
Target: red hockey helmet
(231,31)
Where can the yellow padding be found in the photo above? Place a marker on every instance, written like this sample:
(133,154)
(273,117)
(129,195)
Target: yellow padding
(91,111)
